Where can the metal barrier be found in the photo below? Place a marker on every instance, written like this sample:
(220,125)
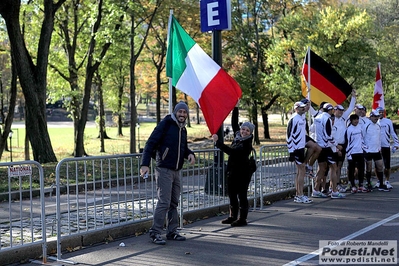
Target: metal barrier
(23,219)
(102,192)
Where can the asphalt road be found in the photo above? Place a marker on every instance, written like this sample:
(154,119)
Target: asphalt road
(283,233)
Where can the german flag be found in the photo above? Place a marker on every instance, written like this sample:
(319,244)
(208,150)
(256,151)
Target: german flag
(326,85)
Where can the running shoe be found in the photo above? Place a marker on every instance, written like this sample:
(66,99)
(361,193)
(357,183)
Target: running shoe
(157,239)
(341,188)
(302,199)
(337,195)
(383,188)
(354,190)
(388,185)
(175,236)
(377,185)
(318,194)
(305,199)
(362,190)
(369,187)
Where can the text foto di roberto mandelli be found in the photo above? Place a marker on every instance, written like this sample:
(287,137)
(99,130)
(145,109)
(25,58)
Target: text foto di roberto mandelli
(355,243)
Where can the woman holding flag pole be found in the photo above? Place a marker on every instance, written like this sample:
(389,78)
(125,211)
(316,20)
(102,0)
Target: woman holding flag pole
(238,172)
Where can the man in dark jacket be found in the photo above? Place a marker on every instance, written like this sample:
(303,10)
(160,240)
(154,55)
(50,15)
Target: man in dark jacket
(169,141)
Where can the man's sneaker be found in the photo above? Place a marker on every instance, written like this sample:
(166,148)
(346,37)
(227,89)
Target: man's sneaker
(353,190)
(362,190)
(302,199)
(341,188)
(388,185)
(348,187)
(337,195)
(369,187)
(175,236)
(383,188)
(377,185)
(157,239)
(318,194)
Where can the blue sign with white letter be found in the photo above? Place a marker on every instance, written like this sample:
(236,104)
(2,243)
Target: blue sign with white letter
(215,15)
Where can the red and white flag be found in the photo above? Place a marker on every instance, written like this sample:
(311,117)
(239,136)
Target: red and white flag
(378,98)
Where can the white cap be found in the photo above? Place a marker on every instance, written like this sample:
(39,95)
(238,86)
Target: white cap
(299,104)
(359,106)
(374,113)
(339,107)
(328,106)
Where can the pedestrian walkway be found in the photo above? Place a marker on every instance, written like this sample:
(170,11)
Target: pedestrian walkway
(282,233)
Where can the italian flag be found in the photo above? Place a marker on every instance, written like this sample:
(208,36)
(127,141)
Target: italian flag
(193,72)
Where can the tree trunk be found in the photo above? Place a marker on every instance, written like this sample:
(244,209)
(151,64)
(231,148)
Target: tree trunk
(265,117)
(11,106)
(120,122)
(91,67)
(254,115)
(103,132)
(198,114)
(33,79)
(133,113)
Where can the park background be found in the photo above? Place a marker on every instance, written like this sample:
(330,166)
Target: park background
(111,54)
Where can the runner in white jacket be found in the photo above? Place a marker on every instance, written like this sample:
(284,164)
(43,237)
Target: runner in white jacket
(340,125)
(354,144)
(372,142)
(328,155)
(387,133)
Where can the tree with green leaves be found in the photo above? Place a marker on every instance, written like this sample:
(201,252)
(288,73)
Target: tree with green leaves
(33,75)
(85,36)
(385,14)
(340,34)
(188,14)
(247,43)
(141,16)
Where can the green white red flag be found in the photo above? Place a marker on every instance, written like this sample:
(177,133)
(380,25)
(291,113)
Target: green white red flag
(195,73)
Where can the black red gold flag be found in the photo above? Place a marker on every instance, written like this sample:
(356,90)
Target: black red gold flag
(326,85)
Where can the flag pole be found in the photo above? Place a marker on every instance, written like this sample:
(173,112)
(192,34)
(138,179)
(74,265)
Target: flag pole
(170,79)
(308,85)
(308,53)
(382,88)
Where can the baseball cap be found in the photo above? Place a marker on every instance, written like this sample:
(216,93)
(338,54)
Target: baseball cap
(374,113)
(322,104)
(328,106)
(299,104)
(360,107)
(339,107)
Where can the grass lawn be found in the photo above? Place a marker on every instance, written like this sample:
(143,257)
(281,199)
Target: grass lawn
(63,144)
(63,141)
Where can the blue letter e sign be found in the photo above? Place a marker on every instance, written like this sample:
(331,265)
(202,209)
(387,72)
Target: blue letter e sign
(215,15)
